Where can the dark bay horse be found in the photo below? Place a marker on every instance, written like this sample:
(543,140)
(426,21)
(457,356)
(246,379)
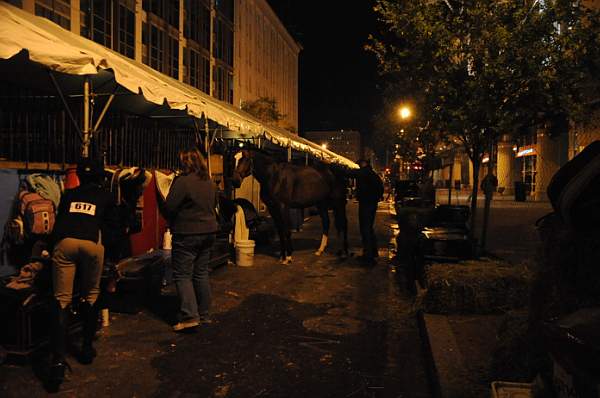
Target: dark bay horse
(284,185)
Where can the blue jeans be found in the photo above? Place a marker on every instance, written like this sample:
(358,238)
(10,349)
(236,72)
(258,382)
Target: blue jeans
(190,257)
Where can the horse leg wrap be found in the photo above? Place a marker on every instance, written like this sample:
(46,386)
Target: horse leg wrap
(287,260)
(323,245)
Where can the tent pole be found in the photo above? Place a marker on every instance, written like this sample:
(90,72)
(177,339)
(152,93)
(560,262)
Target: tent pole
(207,147)
(110,99)
(85,147)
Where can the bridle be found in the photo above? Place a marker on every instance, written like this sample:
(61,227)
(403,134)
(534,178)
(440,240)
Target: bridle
(250,168)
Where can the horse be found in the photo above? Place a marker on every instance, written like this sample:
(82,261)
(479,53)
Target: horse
(284,185)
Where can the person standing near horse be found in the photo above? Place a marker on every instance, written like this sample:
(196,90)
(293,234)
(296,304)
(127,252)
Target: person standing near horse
(369,189)
(190,208)
(86,216)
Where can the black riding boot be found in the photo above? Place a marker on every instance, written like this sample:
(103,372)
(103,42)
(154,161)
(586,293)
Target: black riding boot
(58,342)
(89,316)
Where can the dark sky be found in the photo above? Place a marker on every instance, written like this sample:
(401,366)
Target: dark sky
(337,77)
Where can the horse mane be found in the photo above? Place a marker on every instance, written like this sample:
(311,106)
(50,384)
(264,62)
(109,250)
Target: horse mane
(271,156)
(338,171)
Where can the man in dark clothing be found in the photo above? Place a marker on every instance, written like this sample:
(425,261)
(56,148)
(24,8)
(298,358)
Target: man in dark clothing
(86,219)
(369,189)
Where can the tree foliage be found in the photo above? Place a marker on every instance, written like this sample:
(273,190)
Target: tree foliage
(485,68)
(264,109)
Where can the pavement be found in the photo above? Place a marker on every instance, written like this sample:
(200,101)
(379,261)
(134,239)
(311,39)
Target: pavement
(320,327)
(458,368)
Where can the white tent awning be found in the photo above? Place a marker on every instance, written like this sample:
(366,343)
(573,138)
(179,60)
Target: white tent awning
(62,51)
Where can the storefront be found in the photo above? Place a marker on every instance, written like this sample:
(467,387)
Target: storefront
(526,159)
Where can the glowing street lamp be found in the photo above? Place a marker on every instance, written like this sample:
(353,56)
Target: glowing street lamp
(404,112)
(324,146)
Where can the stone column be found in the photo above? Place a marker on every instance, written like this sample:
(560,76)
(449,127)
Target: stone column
(471,173)
(181,39)
(547,163)
(139,19)
(504,166)
(76,17)
(456,169)
(29,6)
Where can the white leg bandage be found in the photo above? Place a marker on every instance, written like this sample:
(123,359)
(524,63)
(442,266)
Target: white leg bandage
(323,245)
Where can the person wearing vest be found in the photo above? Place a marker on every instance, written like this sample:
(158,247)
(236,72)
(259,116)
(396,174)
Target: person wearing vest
(190,208)
(86,215)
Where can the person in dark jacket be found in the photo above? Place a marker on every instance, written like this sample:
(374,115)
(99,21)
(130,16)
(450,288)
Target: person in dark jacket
(85,217)
(369,191)
(190,208)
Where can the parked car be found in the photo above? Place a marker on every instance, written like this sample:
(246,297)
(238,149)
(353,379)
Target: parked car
(446,235)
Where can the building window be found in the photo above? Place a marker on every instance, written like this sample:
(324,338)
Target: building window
(110,23)
(223,46)
(126,31)
(197,69)
(223,84)
(528,172)
(173,64)
(160,50)
(157,47)
(57,11)
(225,7)
(168,10)
(102,22)
(197,22)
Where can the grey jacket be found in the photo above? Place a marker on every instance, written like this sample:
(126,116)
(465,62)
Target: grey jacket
(190,206)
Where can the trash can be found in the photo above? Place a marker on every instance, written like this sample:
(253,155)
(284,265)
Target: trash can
(520,191)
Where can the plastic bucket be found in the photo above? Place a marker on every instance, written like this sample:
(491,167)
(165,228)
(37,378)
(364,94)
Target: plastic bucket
(244,253)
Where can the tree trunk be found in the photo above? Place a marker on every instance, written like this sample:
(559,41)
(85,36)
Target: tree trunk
(486,214)
(476,166)
(450,181)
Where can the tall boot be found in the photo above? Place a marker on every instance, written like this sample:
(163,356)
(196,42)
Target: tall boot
(58,342)
(89,315)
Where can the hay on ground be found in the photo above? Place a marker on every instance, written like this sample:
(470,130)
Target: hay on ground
(483,286)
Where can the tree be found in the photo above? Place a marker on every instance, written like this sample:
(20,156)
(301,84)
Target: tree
(485,68)
(264,109)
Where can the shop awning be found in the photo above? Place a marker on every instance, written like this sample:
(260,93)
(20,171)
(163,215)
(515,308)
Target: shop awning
(28,38)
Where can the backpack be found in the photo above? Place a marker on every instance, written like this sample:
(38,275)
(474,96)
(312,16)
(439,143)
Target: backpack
(38,214)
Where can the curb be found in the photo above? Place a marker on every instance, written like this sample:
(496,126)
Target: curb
(445,363)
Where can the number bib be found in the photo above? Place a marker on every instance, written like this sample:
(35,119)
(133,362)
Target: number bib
(83,207)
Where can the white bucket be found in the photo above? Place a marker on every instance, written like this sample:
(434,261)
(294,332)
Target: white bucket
(244,253)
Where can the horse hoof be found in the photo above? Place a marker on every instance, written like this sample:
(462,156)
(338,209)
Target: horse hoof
(318,253)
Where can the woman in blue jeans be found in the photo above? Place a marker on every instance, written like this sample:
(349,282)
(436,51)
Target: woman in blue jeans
(190,208)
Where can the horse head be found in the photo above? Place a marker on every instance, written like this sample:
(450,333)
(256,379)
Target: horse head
(242,169)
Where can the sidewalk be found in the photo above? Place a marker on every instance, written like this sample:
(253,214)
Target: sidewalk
(460,346)
(498,200)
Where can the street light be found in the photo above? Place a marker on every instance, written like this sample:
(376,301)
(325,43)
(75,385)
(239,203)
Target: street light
(404,112)
(324,146)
